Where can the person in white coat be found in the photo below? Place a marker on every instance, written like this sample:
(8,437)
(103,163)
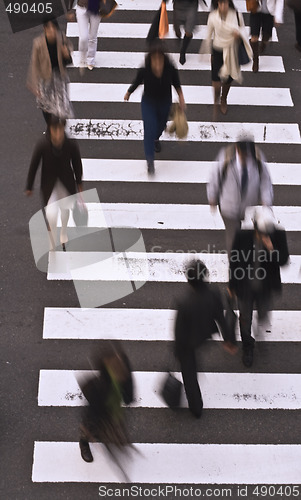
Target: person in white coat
(268,15)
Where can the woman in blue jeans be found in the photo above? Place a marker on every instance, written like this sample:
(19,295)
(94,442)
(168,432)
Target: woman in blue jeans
(158,75)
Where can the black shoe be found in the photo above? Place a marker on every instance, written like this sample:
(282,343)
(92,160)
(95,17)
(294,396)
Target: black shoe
(178,34)
(85,451)
(150,167)
(158,146)
(182,58)
(247,357)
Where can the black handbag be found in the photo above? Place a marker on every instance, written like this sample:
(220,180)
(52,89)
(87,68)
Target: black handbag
(243,57)
(171,391)
(80,212)
(107,7)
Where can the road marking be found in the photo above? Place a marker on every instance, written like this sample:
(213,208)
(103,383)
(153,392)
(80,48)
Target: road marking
(231,391)
(162,463)
(115,59)
(269,133)
(175,216)
(175,171)
(153,266)
(147,5)
(140,30)
(194,94)
(145,325)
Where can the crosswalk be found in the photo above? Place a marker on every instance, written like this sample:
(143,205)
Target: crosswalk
(113,158)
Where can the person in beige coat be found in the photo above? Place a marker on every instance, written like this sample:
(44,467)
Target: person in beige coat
(47,76)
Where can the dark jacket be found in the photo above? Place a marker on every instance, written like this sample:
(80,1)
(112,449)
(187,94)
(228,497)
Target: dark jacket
(64,165)
(157,88)
(198,315)
(244,263)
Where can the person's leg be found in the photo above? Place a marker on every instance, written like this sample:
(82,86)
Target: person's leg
(84,445)
(216,64)
(192,389)
(245,306)
(150,125)
(231,227)
(176,20)
(190,22)
(63,236)
(94,21)
(267,29)
(225,91)
(83,29)
(163,110)
(298,29)
(255,24)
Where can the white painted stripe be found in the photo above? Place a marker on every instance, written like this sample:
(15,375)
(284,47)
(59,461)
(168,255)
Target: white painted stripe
(106,129)
(154,267)
(105,59)
(145,325)
(175,216)
(139,30)
(162,463)
(231,391)
(120,170)
(154,5)
(194,94)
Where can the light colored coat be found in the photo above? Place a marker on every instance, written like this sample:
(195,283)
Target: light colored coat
(40,64)
(228,196)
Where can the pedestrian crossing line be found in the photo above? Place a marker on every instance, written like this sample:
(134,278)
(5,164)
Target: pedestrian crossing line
(153,6)
(174,171)
(231,391)
(163,463)
(149,266)
(107,129)
(145,325)
(175,216)
(139,30)
(105,59)
(194,94)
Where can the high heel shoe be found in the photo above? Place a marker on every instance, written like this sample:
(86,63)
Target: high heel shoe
(64,247)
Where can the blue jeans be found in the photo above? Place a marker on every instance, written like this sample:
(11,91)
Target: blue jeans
(154,115)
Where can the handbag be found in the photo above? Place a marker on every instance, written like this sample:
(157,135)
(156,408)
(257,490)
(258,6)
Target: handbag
(243,57)
(107,7)
(252,6)
(179,124)
(163,23)
(171,391)
(80,212)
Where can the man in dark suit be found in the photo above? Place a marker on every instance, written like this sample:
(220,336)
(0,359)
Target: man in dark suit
(199,312)
(255,263)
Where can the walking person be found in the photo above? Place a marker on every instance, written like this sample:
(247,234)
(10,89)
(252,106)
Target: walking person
(226,26)
(61,176)
(157,75)
(269,13)
(103,419)
(88,19)
(255,262)
(185,14)
(240,180)
(199,312)
(47,75)
(295,5)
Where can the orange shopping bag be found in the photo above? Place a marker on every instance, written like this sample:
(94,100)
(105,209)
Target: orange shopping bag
(163,24)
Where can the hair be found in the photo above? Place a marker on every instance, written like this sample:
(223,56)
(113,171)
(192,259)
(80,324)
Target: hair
(214,4)
(50,19)
(56,122)
(196,273)
(246,147)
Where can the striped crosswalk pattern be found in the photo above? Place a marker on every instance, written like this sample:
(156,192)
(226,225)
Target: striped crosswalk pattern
(233,394)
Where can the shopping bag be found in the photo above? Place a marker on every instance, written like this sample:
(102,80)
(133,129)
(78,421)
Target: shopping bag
(171,391)
(243,57)
(163,23)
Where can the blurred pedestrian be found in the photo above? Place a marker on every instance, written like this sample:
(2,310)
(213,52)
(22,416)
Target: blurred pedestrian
(61,176)
(199,313)
(269,13)
(240,180)
(47,76)
(295,5)
(88,19)
(185,14)
(103,420)
(157,75)
(226,25)
(255,262)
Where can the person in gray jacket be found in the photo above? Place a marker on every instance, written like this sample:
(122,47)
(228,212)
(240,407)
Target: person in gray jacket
(240,180)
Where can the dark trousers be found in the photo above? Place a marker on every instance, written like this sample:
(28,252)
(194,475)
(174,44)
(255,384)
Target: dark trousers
(298,26)
(192,388)
(265,22)
(154,115)
(245,305)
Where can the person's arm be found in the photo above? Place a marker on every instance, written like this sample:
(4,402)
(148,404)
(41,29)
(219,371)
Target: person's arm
(278,14)
(181,327)
(34,165)
(32,75)
(138,81)
(177,85)
(214,184)
(77,164)
(266,186)
(221,321)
